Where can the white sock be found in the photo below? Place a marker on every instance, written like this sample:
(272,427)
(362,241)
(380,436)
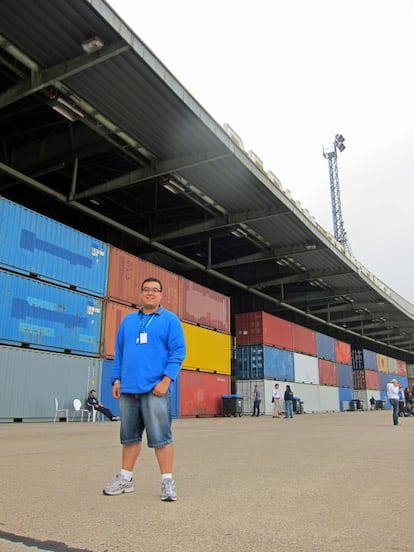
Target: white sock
(166,476)
(127,474)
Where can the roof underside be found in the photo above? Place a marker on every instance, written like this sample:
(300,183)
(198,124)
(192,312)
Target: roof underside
(142,166)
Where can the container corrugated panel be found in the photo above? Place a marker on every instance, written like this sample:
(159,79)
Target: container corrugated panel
(344,375)
(392,366)
(304,340)
(207,350)
(306,369)
(309,394)
(401,368)
(346,394)
(261,328)
(264,362)
(201,392)
(366,379)
(326,346)
(126,274)
(113,316)
(370,359)
(34,244)
(200,305)
(329,399)
(382,363)
(383,379)
(327,372)
(48,317)
(34,378)
(342,352)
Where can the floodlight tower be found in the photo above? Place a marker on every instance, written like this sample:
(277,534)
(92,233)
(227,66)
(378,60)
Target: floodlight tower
(329,152)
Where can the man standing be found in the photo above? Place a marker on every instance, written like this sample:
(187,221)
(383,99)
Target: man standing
(256,401)
(277,410)
(149,351)
(392,394)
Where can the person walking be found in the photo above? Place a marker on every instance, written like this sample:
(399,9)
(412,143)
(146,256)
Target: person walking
(393,396)
(94,404)
(150,349)
(277,410)
(257,399)
(288,396)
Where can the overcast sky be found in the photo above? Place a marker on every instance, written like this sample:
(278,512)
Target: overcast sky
(287,75)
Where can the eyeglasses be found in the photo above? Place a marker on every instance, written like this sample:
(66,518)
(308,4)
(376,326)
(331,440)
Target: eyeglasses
(151,290)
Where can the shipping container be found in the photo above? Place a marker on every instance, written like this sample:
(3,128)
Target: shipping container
(325,347)
(304,340)
(364,395)
(207,350)
(33,379)
(327,372)
(305,369)
(329,399)
(344,375)
(201,393)
(342,352)
(245,388)
(264,362)
(126,274)
(401,368)
(44,316)
(383,379)
(205,307)
(392,365)
(310,396)
(366,379)
(346,395)
(35,245)
(261,328)
(382,363)
(114,313)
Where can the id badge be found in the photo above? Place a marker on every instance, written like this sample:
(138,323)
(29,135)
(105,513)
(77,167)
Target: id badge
(143,337)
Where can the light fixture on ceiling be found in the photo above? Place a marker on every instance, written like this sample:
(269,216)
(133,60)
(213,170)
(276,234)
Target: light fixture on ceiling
(92,44)
(173,186)
(96,201)
(65,108)
(238,233)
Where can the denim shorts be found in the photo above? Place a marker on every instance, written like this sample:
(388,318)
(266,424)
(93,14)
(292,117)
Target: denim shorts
(145,411)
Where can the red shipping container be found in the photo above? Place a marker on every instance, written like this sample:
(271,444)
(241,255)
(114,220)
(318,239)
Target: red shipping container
(114,314)
(304,340)
(343,352)
(261,328)
(201,392)
(126,274)
(327,372)
(366,379)
(203,306)
(401,368)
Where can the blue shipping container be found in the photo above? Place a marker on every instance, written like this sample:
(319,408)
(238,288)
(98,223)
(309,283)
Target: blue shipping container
(325,347)
(47,317)
(264,362)
(345,395)
(32,243)
(344,375)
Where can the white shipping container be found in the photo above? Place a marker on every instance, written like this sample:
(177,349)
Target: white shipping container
(306,369)
(329,398)
(310,396)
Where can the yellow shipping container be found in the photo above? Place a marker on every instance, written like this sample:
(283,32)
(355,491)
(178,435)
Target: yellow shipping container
(382,363)
(207,350)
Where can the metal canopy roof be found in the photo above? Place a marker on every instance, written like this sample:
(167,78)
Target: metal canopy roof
(143,166)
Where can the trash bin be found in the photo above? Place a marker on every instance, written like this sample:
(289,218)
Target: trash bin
(379,405)
(355,404)
(232,405)
(297,405)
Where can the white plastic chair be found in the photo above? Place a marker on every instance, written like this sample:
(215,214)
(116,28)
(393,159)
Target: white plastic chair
(77,406)
(94,413)
(58,410)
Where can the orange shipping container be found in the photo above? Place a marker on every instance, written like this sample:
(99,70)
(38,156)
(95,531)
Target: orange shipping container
(114,314)
(203,306)
(261,328)
(342,352)
(402,368)
(382,363)
(200,393)
(304,340)
(327,372)
(126,274)
(366,379)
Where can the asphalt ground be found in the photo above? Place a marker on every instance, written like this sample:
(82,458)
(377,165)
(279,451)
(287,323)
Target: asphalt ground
(319,482)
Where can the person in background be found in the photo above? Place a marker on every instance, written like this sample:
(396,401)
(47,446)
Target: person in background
(372,402)
(93,404)
(408,401)
(400,400)
(288,402)
(257,399)
(150,349)
(277,410)
(393,396)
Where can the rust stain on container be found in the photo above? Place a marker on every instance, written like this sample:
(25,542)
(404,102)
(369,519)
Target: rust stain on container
(114,314)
